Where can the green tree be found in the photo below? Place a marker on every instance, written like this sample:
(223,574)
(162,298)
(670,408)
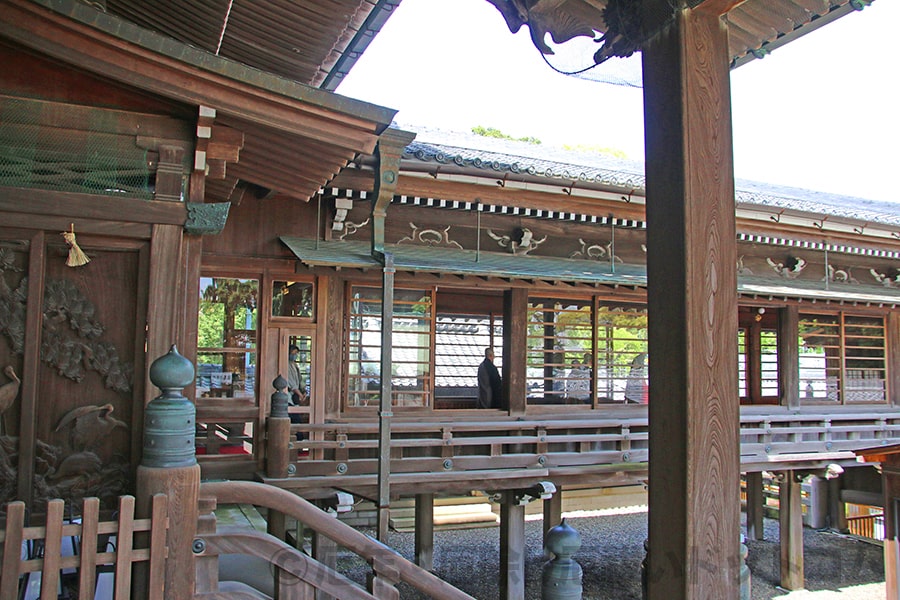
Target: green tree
(493,132)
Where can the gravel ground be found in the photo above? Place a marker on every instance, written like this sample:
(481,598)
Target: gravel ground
(837,567)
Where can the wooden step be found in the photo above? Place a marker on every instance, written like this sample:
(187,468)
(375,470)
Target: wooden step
(448,517)
(460,512)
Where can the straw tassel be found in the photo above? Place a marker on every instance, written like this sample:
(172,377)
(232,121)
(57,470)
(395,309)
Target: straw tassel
(77,257)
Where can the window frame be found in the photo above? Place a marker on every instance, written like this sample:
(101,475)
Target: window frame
(753,323)
(841,337)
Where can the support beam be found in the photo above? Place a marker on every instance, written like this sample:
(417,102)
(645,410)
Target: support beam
(389,149)
(512,547)
(385,412)
(694,519)
(756,502)
(790,520)
(424,544)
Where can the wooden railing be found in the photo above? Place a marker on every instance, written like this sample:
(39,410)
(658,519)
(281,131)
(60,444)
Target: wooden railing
(296,575)
(775,434)
(423,451)
(868,526)
(39,572)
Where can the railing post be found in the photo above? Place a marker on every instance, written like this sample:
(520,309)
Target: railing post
(278,444)
(744,571)
(383,580)
(278,432)
(169,466)
(561,577)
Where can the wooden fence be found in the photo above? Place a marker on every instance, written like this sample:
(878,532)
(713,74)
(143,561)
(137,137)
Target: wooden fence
(34,560)
(867,526)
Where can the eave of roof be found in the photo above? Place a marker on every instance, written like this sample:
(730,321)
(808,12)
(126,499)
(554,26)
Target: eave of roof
(382,10)
(434,259)
(126,31)
(463,153)
(303,40)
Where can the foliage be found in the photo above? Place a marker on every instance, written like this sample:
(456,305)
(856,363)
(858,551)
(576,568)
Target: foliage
(225,306)
(594,149)
(623,334)
(493,132)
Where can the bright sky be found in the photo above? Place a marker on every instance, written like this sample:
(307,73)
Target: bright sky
(821,113)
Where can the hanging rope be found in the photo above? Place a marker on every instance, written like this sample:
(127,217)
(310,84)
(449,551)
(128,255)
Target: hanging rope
(76,257)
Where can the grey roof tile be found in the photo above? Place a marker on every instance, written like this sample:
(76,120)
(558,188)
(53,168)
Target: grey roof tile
(480,153)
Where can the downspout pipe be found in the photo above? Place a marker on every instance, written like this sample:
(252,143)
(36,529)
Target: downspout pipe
(387,170)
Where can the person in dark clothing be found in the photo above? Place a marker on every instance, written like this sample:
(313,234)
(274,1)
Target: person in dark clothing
(295,385)
(489,384)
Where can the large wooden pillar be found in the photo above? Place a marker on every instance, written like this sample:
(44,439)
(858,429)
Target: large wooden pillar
(694,520)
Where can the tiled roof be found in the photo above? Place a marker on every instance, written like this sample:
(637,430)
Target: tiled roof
(466,151)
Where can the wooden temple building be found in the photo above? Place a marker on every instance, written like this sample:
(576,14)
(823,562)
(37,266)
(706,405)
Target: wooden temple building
(230,203)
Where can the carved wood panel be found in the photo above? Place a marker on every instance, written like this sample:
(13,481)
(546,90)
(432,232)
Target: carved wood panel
(82,418)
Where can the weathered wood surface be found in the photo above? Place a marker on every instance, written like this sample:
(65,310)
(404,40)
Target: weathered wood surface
(694,509)
(181,486)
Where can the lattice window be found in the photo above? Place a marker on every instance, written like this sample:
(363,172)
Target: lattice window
(842,359)
(578,353)
(459,344)
(412,330)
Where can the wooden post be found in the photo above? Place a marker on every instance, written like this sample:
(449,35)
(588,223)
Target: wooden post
(889,457)
(893,382)
(388,152)
(890,482)
(324,550)
(817,514)
(424,546)
(515,350)
(512,547)
(837,509)
(756,502)
(790,520)
(385,412)
(552,512)
(694,516)
(789,356)
(169,466)
(278,432)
